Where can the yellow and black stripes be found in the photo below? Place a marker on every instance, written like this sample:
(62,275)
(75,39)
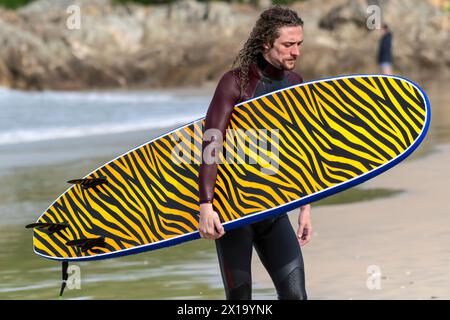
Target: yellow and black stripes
(329,132)
(318,136)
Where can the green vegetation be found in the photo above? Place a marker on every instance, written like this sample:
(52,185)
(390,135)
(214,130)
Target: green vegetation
(283,2)
(13,4)
(144,1)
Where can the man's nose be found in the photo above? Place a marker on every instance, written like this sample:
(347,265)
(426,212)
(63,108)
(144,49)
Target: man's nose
(295,51)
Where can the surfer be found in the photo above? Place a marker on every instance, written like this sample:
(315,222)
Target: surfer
(263,65)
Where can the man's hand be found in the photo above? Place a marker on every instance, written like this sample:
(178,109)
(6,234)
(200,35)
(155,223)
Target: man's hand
(304,225)
(209,225)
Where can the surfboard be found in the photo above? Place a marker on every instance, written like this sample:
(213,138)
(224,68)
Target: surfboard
(283,150)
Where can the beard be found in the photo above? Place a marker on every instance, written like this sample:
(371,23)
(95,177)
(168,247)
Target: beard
(289,64)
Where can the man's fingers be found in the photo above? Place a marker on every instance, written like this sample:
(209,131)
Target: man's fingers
(219,234)
(218,225)
(218,228)
(211,232)
(203,234)
(300,231)
(205,230)
(211,227)
(303,234)
(306,237)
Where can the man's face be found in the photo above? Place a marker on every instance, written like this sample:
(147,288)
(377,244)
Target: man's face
(286,48)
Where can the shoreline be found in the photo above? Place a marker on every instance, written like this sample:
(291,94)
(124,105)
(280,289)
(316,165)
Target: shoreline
(60,151)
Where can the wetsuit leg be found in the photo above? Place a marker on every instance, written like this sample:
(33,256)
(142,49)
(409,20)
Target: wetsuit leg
(278,248)
(234,251)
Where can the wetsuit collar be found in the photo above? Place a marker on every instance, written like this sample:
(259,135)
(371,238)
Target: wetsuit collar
(268,69)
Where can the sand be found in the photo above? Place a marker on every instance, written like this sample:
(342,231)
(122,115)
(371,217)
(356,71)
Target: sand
(405,238)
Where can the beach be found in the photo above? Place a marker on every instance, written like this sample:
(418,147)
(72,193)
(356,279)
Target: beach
(405,237)
(396,225)
(78,89)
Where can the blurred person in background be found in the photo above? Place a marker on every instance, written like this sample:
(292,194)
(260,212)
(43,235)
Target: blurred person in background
(384,58)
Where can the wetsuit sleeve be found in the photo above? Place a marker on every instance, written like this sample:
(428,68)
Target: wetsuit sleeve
(226,96)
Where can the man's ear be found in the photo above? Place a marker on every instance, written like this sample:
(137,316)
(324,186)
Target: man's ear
(266,46)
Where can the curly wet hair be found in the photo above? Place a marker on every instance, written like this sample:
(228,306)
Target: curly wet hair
(266,30)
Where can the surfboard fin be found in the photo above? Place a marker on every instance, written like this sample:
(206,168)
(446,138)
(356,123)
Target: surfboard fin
(49,227)
(88,183)
(65,276)
(87,244)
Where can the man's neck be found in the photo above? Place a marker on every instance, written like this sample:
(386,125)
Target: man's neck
(268,69)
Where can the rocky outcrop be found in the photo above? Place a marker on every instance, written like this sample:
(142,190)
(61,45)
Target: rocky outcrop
(343,41)
(188,43)
(118,46)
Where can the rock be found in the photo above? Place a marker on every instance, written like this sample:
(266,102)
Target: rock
(5,76)
(188,42)
(354,11)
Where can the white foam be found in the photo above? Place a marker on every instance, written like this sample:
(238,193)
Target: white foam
(109,97)
(64,132)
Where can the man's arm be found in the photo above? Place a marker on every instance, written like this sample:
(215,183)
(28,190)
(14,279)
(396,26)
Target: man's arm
(216,123)
(217,119)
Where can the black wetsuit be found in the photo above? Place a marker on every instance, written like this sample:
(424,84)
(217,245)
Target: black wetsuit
(274,239)
(385,49)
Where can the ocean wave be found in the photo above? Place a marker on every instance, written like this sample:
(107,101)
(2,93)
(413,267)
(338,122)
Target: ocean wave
(107,97)
(64,132)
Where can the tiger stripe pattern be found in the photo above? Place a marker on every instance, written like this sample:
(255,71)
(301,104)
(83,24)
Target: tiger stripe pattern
(320,135)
